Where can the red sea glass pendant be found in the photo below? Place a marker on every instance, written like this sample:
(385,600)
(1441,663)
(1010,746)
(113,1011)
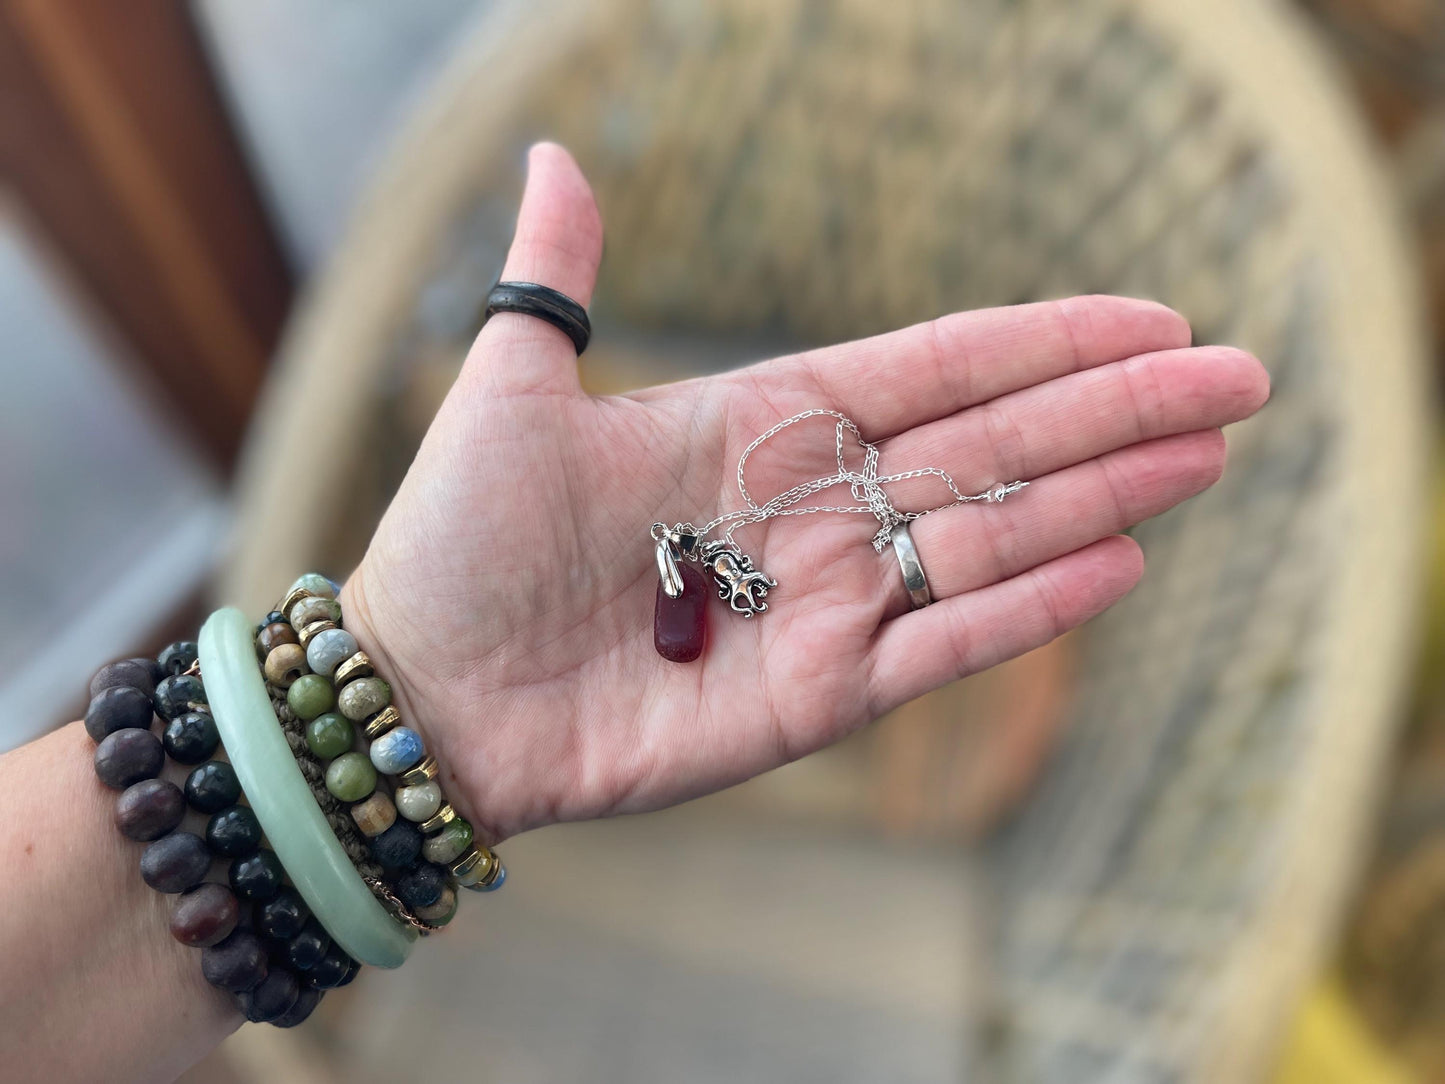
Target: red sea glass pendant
(679,625)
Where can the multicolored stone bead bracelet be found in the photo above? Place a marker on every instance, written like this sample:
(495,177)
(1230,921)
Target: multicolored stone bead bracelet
(276,947)
(429,839)
(281,984)
(324,738)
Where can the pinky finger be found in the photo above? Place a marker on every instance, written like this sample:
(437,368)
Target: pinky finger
(955,637)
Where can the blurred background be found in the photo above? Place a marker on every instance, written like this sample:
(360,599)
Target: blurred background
(243,246)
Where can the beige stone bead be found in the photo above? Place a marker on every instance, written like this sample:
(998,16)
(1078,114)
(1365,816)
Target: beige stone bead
(374,815)
(284,664)
(363,697)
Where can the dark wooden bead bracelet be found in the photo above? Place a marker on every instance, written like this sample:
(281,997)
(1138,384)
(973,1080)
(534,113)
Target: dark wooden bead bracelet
(257,939)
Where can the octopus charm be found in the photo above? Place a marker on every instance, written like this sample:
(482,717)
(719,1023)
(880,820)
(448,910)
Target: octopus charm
(739,584)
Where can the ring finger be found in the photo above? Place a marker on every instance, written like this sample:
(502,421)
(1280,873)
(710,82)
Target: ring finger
(967,547)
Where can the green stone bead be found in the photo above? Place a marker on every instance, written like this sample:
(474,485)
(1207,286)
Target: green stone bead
(314,582)
(363,697)
(310,695)
(350,777)
(329,735)
(449,844)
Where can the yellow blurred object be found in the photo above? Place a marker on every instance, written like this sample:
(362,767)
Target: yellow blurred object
(1330,1044)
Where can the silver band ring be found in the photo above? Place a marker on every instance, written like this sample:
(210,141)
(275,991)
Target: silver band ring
(913,578)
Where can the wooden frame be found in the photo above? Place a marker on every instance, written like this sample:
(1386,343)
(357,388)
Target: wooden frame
(116,140)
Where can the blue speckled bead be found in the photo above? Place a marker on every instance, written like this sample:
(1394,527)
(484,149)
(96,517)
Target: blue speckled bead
(397,750)
(328,650)
(314,582)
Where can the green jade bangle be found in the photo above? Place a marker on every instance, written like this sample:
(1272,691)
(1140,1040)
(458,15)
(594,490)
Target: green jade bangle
(284,804)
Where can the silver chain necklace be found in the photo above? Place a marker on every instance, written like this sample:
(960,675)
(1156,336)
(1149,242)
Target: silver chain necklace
(738,581)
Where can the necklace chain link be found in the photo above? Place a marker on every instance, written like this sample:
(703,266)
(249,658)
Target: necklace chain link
(866,487)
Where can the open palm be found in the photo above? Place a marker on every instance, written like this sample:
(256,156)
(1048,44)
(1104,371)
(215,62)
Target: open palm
(509,589)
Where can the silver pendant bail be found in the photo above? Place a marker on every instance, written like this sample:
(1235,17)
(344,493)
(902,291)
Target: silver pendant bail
(668,555)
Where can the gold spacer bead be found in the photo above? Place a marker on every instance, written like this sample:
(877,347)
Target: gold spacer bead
(469,861)
(424,772)
(358,666)
(444,816)
(292,598)
(382,721)
(306,634)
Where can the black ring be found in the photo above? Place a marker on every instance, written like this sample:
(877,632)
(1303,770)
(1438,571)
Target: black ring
(545,303)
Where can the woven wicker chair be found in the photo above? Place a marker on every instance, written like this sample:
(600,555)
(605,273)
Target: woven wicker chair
(772,172)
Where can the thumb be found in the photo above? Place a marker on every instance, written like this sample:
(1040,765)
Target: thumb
(558,243)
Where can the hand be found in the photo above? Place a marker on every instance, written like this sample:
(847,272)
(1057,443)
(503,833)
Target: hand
(509,590)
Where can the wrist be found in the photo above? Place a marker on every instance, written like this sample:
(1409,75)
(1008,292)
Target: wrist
(90,934)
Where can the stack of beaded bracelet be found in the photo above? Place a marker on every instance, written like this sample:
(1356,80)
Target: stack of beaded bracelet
(429,849)
(256,937)
(276,946)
